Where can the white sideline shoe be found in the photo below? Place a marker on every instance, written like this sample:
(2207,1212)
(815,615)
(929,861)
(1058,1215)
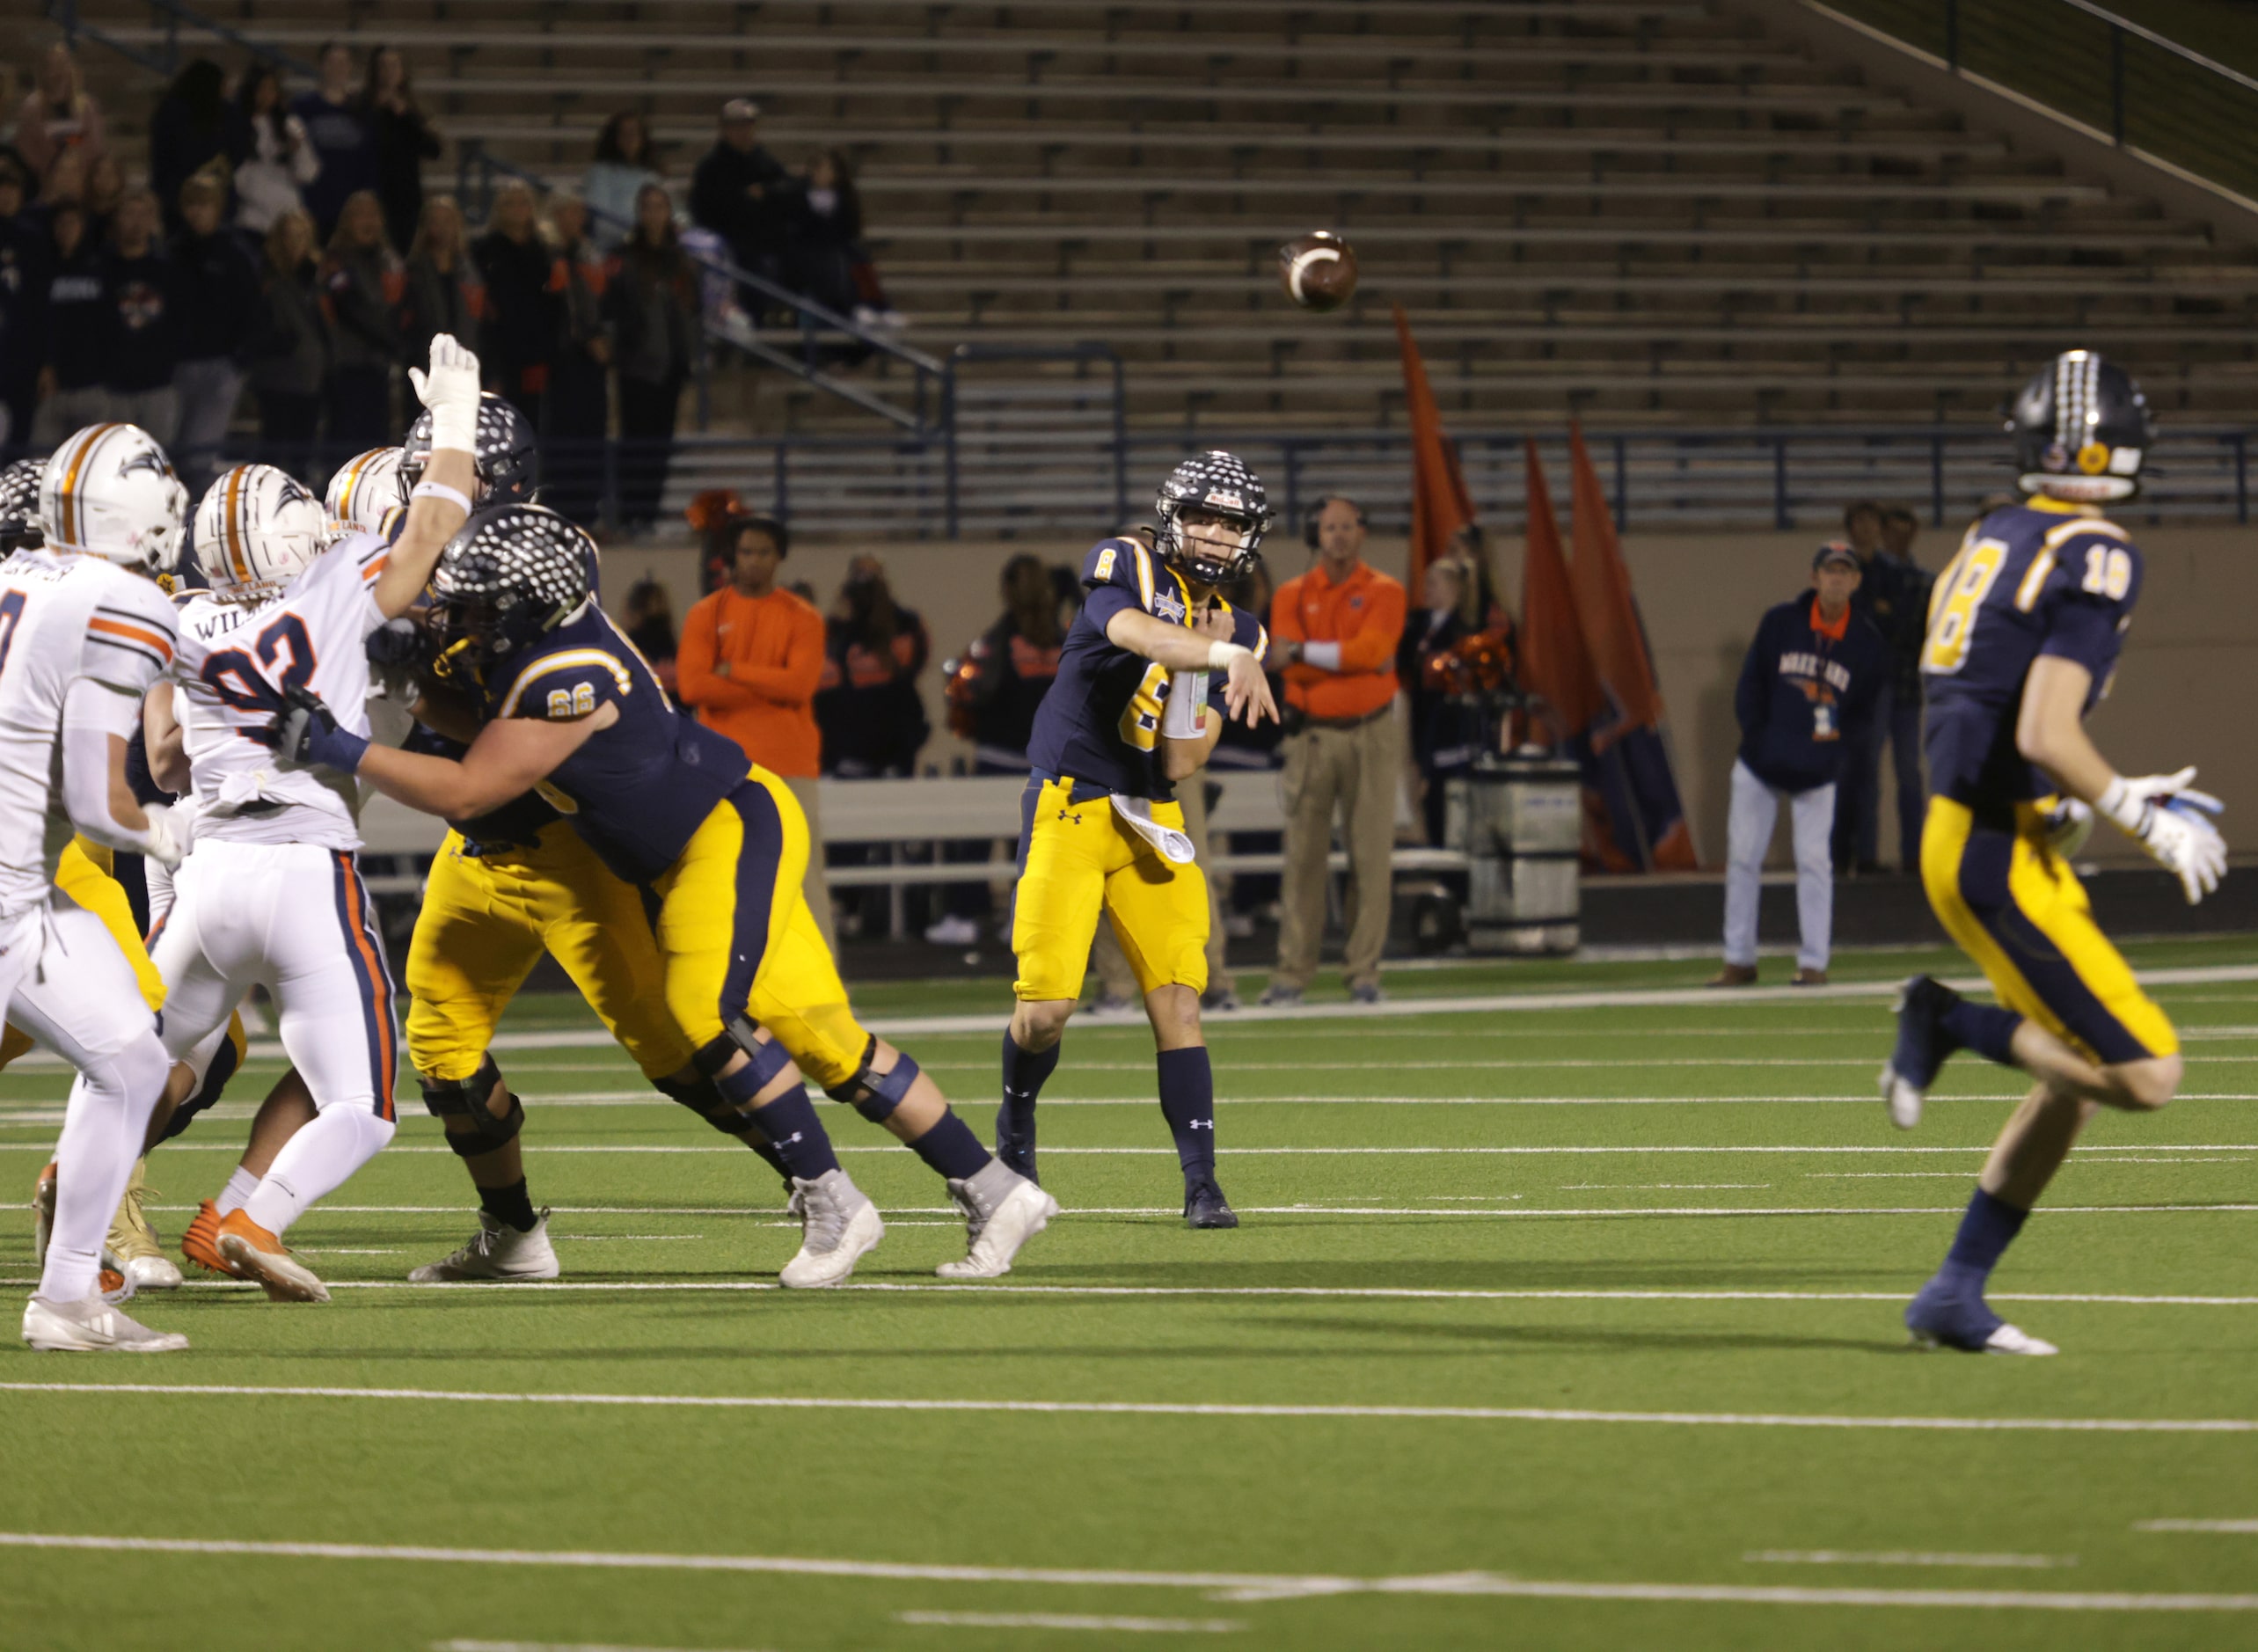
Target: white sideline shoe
(998,1220)
(2007,1339)
(840,1227)
(94,1325)
(497,1252)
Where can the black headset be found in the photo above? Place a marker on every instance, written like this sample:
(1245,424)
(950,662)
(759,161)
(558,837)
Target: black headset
(1309,517)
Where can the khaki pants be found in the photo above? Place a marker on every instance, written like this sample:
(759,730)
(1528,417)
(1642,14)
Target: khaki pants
(1353,772)
(1114,971)
(804,792)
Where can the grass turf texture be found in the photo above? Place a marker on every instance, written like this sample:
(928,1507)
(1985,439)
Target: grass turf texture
(1626,1251)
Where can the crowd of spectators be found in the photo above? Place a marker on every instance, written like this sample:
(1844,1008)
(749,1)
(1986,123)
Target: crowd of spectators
(285,245)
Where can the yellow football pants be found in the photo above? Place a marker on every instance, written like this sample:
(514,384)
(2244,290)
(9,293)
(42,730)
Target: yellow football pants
(1079,858)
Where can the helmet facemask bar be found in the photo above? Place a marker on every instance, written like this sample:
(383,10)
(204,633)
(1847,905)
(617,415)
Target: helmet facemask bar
(1201,557)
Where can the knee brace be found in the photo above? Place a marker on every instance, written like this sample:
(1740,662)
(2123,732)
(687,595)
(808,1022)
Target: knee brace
(703,1097)
(466,1098)
(876,1095)
(766,1060)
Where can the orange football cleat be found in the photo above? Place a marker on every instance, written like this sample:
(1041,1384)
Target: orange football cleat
(260,1255)
(201,1244)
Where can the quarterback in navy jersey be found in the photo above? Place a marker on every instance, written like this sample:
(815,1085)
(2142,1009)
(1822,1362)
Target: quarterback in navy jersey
(2025,627)
(1151,667)
(569,710)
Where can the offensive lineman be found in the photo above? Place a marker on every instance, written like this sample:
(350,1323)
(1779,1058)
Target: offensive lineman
(570,709)
(290,607)
(1125,721)
(2025,626)
(84,631)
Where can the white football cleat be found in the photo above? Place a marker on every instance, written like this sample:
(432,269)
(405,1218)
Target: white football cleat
(151,1273)
(497,1252)
(132,1247)
(998,1219)
(840,1226)
(93,1325)
(2005,1339)
(1902,1098)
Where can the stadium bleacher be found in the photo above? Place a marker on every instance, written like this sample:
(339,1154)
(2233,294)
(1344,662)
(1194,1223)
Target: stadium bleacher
(1648,214)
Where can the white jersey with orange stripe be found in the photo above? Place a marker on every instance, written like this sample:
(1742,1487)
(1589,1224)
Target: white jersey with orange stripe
(238,661)
(63,617)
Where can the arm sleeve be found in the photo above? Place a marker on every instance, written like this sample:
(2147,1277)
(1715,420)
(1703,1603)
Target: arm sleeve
(793,683)
(1373,646)
(91,712)
(695,683)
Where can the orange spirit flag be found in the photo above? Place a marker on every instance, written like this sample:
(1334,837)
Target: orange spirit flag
(1439,504)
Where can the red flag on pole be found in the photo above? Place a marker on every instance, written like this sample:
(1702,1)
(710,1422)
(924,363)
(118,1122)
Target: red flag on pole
(1553,665)
(1439,504)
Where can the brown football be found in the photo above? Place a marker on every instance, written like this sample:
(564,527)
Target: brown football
(1317,271)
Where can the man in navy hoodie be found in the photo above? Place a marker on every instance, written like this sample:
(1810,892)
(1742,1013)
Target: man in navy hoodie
(1810,678)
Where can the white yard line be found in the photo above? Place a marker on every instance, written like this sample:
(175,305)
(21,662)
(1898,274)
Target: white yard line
(1161,1408)
(1234,1586)
(1068,1620)
(545,1646)
(2239,1528)
(1905,1557)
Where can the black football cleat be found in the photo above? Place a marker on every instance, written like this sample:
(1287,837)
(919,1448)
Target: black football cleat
(1015,1140)
(1204,1205)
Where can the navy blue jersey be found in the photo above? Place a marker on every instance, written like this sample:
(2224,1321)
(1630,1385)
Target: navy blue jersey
(1802,688)
(2031,580)
(637,790)
(1100,721)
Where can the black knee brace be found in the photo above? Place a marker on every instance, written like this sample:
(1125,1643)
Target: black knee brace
(876,1095)
(700,1096)
(466,1098)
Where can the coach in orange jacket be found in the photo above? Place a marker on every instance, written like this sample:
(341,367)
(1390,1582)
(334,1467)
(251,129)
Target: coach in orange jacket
(1336,628)
(750,657)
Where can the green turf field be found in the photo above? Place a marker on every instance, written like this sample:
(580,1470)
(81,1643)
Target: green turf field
(1547,1326)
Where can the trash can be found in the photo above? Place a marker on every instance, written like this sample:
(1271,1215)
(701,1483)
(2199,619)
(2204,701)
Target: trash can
(1519,821)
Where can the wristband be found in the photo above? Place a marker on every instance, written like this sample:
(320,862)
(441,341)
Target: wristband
(1188,698)
(1220,655)
(2121,809)
(440,490)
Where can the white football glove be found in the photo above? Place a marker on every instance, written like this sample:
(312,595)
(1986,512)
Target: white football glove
(167,842)
(2166,816)
(450,390)
(2172,790)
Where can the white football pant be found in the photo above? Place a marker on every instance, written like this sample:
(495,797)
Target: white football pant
(297,919)
(63,982)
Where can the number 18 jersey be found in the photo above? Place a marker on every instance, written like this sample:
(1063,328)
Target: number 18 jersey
(2031,580)
(237,659)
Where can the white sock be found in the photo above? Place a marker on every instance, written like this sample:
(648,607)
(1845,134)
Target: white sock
(102,1130)
(238,1190)
(316,1162)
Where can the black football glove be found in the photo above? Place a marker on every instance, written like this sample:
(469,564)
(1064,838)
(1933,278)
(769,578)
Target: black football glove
(306,735)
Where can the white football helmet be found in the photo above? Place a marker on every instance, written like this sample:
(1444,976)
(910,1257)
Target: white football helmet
(110,492)
(366,490)
(256,530)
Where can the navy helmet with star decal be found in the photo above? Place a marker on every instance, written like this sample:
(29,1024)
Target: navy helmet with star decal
(503,452)
(2081,428)
(1215,483)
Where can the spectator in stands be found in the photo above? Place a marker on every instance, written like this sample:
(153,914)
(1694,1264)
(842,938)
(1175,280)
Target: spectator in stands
(1481,608)
(1899,719)
(343,140)
(271,178)
(403,140)
(1445,730)
(871,715)
(26,257)
(1856,844)
(105,188)
(653,295)
(78,324)
(445,292)
(743,194)
(580,392)
(650,625)
(57,116)
(751,658)
(1862,528)
(1810,676)
(215,297)
(365,282)
(524,302)
(290,351)
(1336,630)
(625,160)
(144,324)
(823,235)
(193,126)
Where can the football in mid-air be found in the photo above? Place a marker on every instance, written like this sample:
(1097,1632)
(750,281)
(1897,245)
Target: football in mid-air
(1318,270)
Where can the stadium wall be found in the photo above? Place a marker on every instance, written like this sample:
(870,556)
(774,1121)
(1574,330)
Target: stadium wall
(2184,695)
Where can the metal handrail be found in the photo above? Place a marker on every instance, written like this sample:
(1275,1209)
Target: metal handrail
(814,318)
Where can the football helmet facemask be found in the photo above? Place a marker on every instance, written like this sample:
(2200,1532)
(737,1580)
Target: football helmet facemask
(2081,429)
(1215,485)
(511,575)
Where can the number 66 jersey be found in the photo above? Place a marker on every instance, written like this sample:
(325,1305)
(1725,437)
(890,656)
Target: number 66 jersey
(2043,578)
(237,659)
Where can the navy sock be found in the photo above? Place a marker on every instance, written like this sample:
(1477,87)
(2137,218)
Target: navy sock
(1985,1029)
(1025,1073)
(952,1150)
(790,1124)
(1986,1232)
(1188,1101)
(512,1205)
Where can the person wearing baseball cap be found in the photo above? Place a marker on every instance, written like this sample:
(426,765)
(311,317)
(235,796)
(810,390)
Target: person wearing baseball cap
(1812,676)
(743,194)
